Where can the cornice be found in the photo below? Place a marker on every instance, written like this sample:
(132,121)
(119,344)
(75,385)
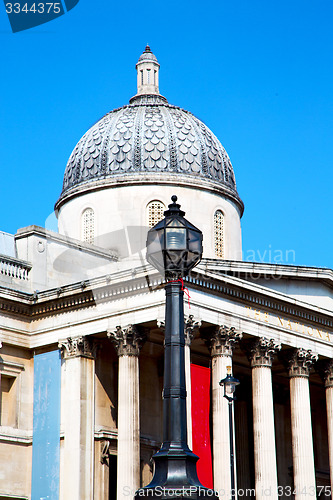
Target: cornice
(267,270)
(15,436)
(122,284)
(19,262)
(255,295)
(156,179)
(41,232)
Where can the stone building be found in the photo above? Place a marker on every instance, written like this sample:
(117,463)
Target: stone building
(82,315)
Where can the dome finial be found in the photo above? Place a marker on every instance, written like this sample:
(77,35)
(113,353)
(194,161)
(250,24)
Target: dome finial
(147,68)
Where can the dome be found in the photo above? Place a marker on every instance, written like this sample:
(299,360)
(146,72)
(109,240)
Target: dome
(146,141)
(147,55)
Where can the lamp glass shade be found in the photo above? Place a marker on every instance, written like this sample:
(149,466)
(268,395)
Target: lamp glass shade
(175,238)
(229,388)
(229,383)
(174,245)
(195,241)
(155,245)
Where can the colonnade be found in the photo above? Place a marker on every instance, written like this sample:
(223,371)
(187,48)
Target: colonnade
(79,399)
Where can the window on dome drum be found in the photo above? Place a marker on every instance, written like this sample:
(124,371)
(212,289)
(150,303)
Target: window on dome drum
(88,225)
(155,212)
(148,76)
(219,234)
(141,76)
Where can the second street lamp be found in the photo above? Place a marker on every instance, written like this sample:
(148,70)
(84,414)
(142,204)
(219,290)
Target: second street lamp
(229,384)
(174,247)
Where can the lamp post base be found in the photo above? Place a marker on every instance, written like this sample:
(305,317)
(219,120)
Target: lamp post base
(181,493)
(175,477)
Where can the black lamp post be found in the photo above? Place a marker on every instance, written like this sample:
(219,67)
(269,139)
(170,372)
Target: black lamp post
(229,383)
(174,247)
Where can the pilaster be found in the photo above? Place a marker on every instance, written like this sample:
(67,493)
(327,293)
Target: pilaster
(78,347)
(78,409)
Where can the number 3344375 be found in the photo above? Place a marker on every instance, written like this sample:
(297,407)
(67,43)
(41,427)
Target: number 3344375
(35,8)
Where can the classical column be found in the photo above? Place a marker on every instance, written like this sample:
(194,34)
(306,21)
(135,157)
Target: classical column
(299,363)
(261,352)
(191,327)
(326,372)
(77,408)
(220,344)
(128,342)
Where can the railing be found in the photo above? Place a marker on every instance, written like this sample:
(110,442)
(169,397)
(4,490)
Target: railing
(14,268)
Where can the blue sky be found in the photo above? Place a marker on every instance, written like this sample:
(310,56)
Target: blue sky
(258,73)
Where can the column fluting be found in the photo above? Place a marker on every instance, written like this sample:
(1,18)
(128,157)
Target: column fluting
(128,342)
(326,372)
(78,422)
(221,343)
(191,327)
(299,363)
(261,352)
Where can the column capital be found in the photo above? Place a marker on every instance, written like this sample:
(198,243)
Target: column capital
(325,370)
(161,324)
(222,340)
(74,347)
(299,361)
(105,455)
(191,327)
(127,340)
(261,351)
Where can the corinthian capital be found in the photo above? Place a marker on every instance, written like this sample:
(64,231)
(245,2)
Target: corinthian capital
(222,341)
(77,346)
(325,370)
(261,351)
(127,340)
(161,324)
(191,327)
(299,361)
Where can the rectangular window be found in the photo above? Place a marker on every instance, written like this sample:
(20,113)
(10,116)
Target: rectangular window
(10,393)
(8,402)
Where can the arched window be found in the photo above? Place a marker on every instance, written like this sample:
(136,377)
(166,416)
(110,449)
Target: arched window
(155,212)
(219,234)
(88,225)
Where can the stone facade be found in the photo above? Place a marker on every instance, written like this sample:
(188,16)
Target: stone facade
(81,356)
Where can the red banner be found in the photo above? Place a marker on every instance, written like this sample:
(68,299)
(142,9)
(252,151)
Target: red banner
(200,387)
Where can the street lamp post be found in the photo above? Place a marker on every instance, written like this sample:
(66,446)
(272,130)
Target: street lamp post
(174,247)
(229,383)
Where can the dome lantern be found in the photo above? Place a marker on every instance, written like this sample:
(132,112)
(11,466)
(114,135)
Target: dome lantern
(147,73)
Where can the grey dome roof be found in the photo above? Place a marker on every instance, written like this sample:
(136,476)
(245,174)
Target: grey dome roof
(149,139)
(147,55)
